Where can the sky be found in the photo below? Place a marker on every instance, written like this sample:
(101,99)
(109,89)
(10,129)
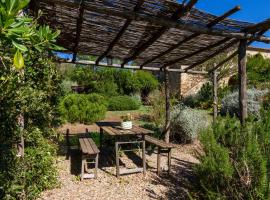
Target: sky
(251,10)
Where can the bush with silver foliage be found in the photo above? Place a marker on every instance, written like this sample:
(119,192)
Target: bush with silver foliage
(186,123)
(230,103)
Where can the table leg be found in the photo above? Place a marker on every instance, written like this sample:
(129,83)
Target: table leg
(117,159)
(169,160)
(96,165)
(143,155)
(158,161)
(100,137)
(82,168)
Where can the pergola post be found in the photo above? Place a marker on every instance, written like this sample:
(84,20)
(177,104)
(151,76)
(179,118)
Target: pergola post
(167,100)
(242,77)
(215,96)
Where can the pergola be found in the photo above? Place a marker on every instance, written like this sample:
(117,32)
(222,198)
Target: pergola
(158,35)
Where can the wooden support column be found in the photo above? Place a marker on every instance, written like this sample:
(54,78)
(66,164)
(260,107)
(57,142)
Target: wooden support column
(242,77)
(167,100)
(215,96)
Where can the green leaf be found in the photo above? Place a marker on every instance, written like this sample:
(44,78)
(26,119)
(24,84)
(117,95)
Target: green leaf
(12,4)
(57,48)
(18,61)
(19,46)
(23,3)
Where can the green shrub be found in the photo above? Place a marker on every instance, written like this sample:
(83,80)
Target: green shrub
(66,86)
(147,82)
(83,108)
(123,103)
(266,101)
(157,111)
(235,161)
(192,101)
(186,123)
(258,70)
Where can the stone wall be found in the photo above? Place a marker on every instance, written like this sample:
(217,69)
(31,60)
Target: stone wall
(189,84)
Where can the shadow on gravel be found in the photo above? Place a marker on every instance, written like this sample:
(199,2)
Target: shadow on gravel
(178,182)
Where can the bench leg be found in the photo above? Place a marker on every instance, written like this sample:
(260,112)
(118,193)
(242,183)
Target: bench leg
(96,165)
(100,137)
(158,161)
(143,155)
(82,169)
(169,160)
(117,159)
(67,144)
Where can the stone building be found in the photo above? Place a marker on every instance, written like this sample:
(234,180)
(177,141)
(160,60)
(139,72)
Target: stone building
(188,84)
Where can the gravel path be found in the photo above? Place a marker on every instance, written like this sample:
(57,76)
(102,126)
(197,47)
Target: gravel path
(128,187)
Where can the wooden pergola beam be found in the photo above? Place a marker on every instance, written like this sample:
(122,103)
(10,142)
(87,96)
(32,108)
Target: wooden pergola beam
(215,96)
(101,64)
(194,35)
(167,106)
(197,52)
(230,57)
(78,30)
(264,25)
(242,77)
(180,12)
(120,33)
(227,46)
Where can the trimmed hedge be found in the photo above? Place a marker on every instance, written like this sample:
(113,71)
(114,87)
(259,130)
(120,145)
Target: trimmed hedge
(120,103)
(83,108)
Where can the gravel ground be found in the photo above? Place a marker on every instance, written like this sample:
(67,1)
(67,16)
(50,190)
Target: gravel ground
(128,187)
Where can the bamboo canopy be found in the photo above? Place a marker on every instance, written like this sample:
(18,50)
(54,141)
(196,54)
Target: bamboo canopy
(150,33)
(154,35)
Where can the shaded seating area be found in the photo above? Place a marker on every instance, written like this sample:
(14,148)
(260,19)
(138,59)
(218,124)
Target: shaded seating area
(162,36)
(124,141)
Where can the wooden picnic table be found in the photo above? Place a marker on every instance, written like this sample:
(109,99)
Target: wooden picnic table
(114,129)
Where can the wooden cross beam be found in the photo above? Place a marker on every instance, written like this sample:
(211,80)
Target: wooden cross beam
(101,64)
(78,30)
(194,35)
(224,48)
(120,33)
(264,25)
(242,77)
(182,11)
(197,52)
(232,55)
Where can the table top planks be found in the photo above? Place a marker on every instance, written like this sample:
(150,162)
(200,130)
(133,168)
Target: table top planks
(114,129)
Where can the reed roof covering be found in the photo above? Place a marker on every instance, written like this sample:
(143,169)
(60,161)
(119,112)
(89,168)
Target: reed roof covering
(136,30)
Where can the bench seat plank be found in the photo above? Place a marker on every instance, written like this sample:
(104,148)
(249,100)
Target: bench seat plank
(158,142)
(88,146)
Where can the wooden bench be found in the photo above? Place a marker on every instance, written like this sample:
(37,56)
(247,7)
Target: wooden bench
(90,154)
(163,147)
